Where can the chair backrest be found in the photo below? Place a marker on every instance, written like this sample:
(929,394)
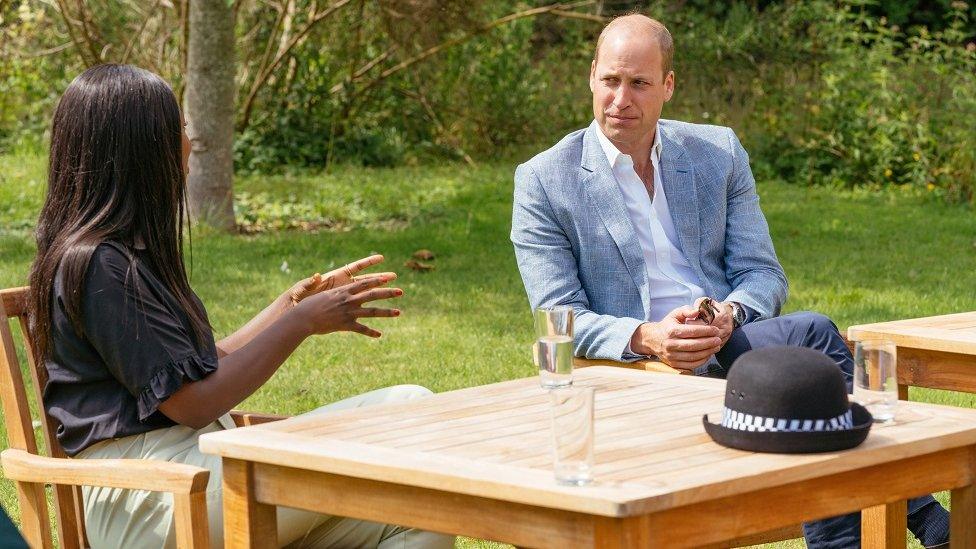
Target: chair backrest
(20,431)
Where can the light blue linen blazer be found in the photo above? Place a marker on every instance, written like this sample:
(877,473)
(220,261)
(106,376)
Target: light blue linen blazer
(575,244)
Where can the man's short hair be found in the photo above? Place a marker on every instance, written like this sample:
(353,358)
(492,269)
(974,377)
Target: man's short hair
(657,31)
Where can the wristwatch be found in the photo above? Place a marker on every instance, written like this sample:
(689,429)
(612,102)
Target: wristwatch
(738,314)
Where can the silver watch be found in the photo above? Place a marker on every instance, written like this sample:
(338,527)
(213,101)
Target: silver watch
(738,314)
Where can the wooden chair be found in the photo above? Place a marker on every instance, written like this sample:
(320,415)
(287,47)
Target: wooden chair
(31,471)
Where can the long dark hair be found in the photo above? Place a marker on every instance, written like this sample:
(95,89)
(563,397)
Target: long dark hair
(115,173)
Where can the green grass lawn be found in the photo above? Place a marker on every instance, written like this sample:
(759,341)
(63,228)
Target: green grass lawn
(855,256)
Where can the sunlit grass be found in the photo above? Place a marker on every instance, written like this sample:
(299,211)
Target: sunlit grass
(855,256)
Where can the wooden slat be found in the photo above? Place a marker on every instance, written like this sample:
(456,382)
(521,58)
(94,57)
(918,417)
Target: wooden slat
(955,333)
(17,418)
(646,365)
(20,431)
(34,523)
(247,419)
(812,499)
(779,534)
(134,474)
(540,527)
(423,508)
(14,301)
(475,432)
(484,409)
(937,369)
(71,530)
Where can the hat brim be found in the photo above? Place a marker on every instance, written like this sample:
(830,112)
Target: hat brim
(794,442)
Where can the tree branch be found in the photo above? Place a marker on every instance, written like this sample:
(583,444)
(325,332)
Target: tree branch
(262,77)
(464,38)
(578,15)
(363,70)
(90,40)
(138,34)
(80,46)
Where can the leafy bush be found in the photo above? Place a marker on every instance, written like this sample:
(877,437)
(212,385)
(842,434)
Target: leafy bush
(821,91)
(829,94)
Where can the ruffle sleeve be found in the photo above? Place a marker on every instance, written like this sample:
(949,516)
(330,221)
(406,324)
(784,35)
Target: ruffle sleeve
(169,379)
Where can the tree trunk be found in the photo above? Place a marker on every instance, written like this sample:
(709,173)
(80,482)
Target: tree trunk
(210,91)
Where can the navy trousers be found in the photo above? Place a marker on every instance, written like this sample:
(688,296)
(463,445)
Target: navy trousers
(927,519)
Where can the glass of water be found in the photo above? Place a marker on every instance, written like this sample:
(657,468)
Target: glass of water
(553,350)
(875,381)
(571,411)
(554,356)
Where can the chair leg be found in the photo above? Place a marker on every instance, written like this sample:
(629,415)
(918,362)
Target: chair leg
(35,523)
(190,516)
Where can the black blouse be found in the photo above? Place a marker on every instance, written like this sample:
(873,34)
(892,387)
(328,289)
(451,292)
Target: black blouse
(138,349)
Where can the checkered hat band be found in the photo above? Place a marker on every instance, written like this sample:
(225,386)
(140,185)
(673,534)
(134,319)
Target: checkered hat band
(747,422)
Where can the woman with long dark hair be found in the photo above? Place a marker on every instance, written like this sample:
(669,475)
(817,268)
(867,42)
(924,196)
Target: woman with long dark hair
(134,371)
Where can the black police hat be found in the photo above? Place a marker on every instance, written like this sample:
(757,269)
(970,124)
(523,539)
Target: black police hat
(789,400)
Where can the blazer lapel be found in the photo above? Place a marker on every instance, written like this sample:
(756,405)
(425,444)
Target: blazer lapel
(599,183)
(677,178)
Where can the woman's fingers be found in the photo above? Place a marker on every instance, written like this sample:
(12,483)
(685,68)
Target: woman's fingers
(389,274)
(376,294)
(365,330)
(368,282)
(347,273)
(363,312)
(351,269)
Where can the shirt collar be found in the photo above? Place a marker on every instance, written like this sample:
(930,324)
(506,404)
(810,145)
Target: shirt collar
(614,154)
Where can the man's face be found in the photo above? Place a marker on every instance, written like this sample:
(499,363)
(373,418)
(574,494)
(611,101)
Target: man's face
(629,89)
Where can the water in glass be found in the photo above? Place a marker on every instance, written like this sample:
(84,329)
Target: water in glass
(554,354)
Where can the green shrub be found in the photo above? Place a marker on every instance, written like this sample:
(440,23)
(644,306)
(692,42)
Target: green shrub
(825,93)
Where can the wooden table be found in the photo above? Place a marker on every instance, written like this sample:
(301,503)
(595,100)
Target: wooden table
(938,352)
(476,462)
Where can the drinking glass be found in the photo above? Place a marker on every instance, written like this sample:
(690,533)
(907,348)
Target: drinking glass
(554,321)
(875,382)
(553,350)
(571,410)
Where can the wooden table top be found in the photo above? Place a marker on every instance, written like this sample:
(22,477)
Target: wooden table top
(492,441)
(955,333)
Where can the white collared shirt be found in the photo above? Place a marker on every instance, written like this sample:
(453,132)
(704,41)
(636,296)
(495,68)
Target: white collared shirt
(671,281)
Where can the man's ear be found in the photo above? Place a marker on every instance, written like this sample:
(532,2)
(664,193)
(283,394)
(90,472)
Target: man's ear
(593,76)
(669,86)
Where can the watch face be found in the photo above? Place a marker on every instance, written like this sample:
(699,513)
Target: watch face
(738,314)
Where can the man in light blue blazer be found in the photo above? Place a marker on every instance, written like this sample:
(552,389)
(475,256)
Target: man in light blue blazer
(635,220)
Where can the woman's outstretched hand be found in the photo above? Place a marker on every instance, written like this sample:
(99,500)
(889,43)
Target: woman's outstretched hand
(333,279)
(340,309)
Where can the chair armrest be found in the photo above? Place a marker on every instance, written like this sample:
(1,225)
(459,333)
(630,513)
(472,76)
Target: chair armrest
(246,419)
(131,474)
(646,364)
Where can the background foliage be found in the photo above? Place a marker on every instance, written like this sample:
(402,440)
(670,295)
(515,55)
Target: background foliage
(836,92)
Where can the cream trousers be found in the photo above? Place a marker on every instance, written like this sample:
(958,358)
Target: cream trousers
(139,519)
